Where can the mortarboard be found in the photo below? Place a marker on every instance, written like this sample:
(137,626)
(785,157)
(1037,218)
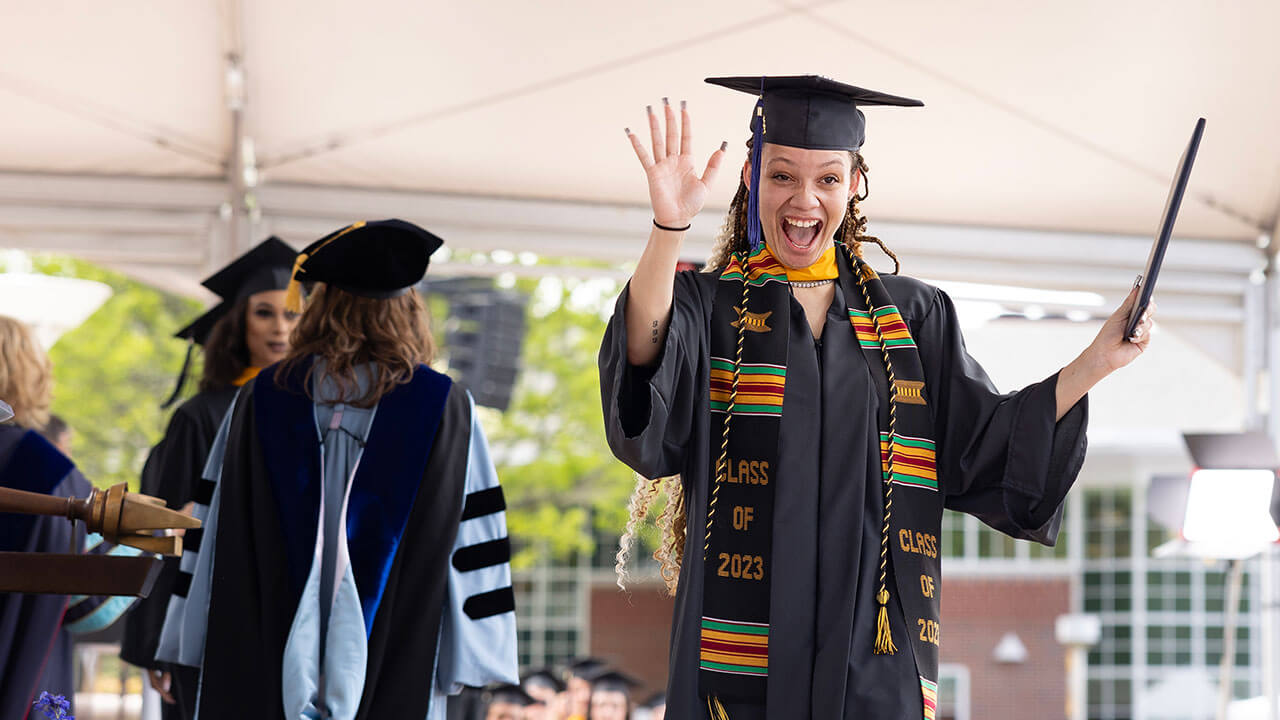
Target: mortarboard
(511,694)
(376,259)
(584,667)
(543,677)
(265,267)
(803,111)
(609,680)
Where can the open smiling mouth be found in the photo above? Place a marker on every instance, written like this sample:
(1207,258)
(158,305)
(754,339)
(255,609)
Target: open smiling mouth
(801,232)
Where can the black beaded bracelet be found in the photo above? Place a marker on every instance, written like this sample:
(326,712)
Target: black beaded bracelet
(660,226)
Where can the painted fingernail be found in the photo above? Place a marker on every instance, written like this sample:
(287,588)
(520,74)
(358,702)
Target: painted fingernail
(627,131)
(724,146)
(648,109)
(665,101)
(683,104)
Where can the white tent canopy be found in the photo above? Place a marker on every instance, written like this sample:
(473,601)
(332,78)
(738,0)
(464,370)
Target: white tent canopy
(161,138)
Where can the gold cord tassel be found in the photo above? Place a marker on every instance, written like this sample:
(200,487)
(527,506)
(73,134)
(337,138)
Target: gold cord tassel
(884,639)
(293,294)
(715,709)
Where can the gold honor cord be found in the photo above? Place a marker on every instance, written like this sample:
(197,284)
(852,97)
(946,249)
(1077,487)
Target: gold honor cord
(293,294)
(722,465)
(884,638)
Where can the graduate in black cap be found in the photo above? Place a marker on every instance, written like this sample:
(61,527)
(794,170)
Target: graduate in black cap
(578,674)
(545,686)
(611,695)
(246,331)
(509,702)
(359,564)
(812,419)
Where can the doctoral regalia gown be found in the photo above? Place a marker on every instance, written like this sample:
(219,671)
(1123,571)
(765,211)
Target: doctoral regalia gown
(172,472)
(36,631)
(999,457)
(354,563)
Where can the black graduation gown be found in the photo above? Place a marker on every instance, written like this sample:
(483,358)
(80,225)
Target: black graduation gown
(1000,457)
(172,472)
(255,584)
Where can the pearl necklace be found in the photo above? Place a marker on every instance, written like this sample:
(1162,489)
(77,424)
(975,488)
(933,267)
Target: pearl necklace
(811,283)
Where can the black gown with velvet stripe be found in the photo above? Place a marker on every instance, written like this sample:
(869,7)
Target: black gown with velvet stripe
(1000,457)
(255,588)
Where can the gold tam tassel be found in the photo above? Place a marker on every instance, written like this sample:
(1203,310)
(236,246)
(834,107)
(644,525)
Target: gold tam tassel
(293,294)
(884,639)
(716,710)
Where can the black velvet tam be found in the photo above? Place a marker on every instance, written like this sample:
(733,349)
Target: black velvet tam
(378,259)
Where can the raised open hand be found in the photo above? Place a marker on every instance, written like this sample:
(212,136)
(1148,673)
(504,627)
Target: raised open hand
(676,191)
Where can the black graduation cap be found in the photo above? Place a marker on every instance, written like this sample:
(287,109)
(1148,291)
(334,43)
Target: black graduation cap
(584,667)
(804,111)
(266,267)
(610,680)
(377,259)
(511,694)
(543,677)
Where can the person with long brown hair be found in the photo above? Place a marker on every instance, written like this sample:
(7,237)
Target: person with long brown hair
(246,331)
(36,631)
(809,419)
(355,558)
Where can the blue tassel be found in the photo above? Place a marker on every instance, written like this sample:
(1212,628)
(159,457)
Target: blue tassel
(754,231)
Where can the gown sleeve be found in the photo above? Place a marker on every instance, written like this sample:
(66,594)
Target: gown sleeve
(186,619)
(649,411)
(478,645)
(1002,458)
(172,472)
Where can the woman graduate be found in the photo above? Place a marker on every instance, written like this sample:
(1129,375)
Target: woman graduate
(819,417)
(245,332)
(36,631)
(354,563)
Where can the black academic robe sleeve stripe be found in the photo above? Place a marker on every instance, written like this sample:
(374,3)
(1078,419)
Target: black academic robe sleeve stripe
(484,502)
(482,555)
(488,604)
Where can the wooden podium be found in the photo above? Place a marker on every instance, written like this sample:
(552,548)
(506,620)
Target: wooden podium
(120,517)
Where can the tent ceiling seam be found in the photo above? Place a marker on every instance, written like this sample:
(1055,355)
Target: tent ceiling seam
(164,139)
(340,140)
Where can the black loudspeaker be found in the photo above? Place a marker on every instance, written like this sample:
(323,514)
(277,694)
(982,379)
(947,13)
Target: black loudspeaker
(483,335)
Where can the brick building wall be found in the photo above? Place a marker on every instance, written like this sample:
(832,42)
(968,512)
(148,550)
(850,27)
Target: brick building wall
(976,613)
(634,631)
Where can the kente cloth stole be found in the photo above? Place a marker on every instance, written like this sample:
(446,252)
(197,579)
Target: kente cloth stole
(749,372)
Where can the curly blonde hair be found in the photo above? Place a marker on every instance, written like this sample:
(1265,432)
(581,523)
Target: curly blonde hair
(672,521)
(26,375)
(347,330)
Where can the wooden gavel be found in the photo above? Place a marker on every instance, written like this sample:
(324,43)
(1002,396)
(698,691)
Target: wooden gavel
(120,517)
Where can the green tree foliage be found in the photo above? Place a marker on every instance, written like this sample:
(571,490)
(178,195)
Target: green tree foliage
(112,372)
(563,485)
